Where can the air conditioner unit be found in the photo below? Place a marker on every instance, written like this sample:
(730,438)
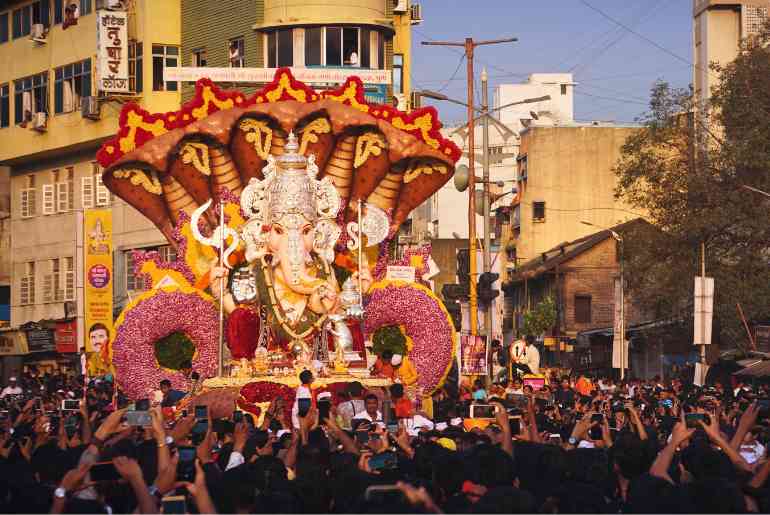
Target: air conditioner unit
(38,33)
(415,100)
(40,121)
(401,6)
(401,99)
(415,14)
(111,5)
(89,108)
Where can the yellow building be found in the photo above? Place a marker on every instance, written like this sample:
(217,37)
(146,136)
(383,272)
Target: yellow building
(719,26)
(565,177)
(367,37)
(54,113)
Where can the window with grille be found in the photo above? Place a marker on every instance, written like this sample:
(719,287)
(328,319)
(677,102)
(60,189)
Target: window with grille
(5,104)
(71,83)
(162,56)
(582,309)
(52,291)
(398,74)
(30,96)
(236,52)
(538,211)
(59,195)
(135,72)
(753,18)
(199,57)
(27,285)
(27,200)
(69,278)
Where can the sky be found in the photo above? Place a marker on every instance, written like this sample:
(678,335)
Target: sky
(613,67)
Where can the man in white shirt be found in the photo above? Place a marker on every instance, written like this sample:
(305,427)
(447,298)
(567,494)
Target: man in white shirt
(525,356)
(11,389)
(371,410)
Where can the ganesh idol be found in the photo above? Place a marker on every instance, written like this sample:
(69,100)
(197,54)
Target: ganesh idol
(286,299)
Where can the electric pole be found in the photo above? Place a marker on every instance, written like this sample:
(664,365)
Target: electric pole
(469,45)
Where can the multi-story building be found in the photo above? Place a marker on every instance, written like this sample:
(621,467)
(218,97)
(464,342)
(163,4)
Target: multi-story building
(718,28)
(57,105)
(5,247)
(565,176)
(360,35)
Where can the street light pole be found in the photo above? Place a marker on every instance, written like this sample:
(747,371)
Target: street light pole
(470,46)
(485,185)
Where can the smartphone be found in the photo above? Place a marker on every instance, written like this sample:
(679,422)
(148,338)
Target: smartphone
(362,437)
(324,407)
(691,420)
(201,412)
(597,417)
(184,413)
(185,469)
(390,495)
(383,461)
(142,405)
(666,403)
(237,416)
(303,406)
(173,504)
(536,383)
(104,471)
(201,426)
(392,426)
(138,418)
(482,411)
(554,439)
(515,424)
(764,407)
(70,405)
(595,433)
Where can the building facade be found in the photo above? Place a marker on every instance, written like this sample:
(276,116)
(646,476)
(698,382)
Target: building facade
(565,177)
(718,28)
(323,35)
(54,114)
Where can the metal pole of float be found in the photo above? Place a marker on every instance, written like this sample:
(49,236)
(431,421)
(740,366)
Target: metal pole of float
(221,367)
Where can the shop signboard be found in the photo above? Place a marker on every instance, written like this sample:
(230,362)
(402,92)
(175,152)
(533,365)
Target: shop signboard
(65,337)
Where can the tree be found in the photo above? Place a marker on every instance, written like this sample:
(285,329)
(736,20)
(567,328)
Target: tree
(686,169)
(541,318)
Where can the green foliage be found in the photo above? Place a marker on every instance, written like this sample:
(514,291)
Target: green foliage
(389,337)
(541,318)
(686,169)
(173,350)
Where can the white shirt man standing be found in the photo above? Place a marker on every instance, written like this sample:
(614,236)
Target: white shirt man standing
(11,389)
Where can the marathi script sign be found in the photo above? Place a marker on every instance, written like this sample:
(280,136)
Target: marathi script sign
(307,75)
(112,51)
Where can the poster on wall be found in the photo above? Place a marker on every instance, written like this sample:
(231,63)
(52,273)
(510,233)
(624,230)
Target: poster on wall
(64,335)
(112,51)
(473,350)
(98,283)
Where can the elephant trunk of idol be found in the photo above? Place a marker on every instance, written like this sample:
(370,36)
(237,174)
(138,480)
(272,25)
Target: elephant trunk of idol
(293,263)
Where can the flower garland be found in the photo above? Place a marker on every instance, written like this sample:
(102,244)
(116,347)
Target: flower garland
(152,316)
(433,333)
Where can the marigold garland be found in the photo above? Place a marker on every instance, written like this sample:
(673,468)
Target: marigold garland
(434,336)
(152,316)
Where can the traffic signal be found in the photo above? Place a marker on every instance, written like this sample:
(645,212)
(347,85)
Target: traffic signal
(486,293)
(463,266)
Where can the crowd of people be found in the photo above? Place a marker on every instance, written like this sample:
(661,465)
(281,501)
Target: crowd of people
(578,444)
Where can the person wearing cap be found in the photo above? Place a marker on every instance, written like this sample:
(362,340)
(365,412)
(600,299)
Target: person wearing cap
(11,389)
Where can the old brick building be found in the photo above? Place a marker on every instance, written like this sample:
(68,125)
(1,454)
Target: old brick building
(581,276)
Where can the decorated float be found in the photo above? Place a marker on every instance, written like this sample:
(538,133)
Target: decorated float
(283,208)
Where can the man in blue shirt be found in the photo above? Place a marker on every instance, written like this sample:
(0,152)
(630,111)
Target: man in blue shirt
(170,396)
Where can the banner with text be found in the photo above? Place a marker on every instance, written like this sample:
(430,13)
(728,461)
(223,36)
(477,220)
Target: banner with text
(112,51)
(98,278)
(306,75)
